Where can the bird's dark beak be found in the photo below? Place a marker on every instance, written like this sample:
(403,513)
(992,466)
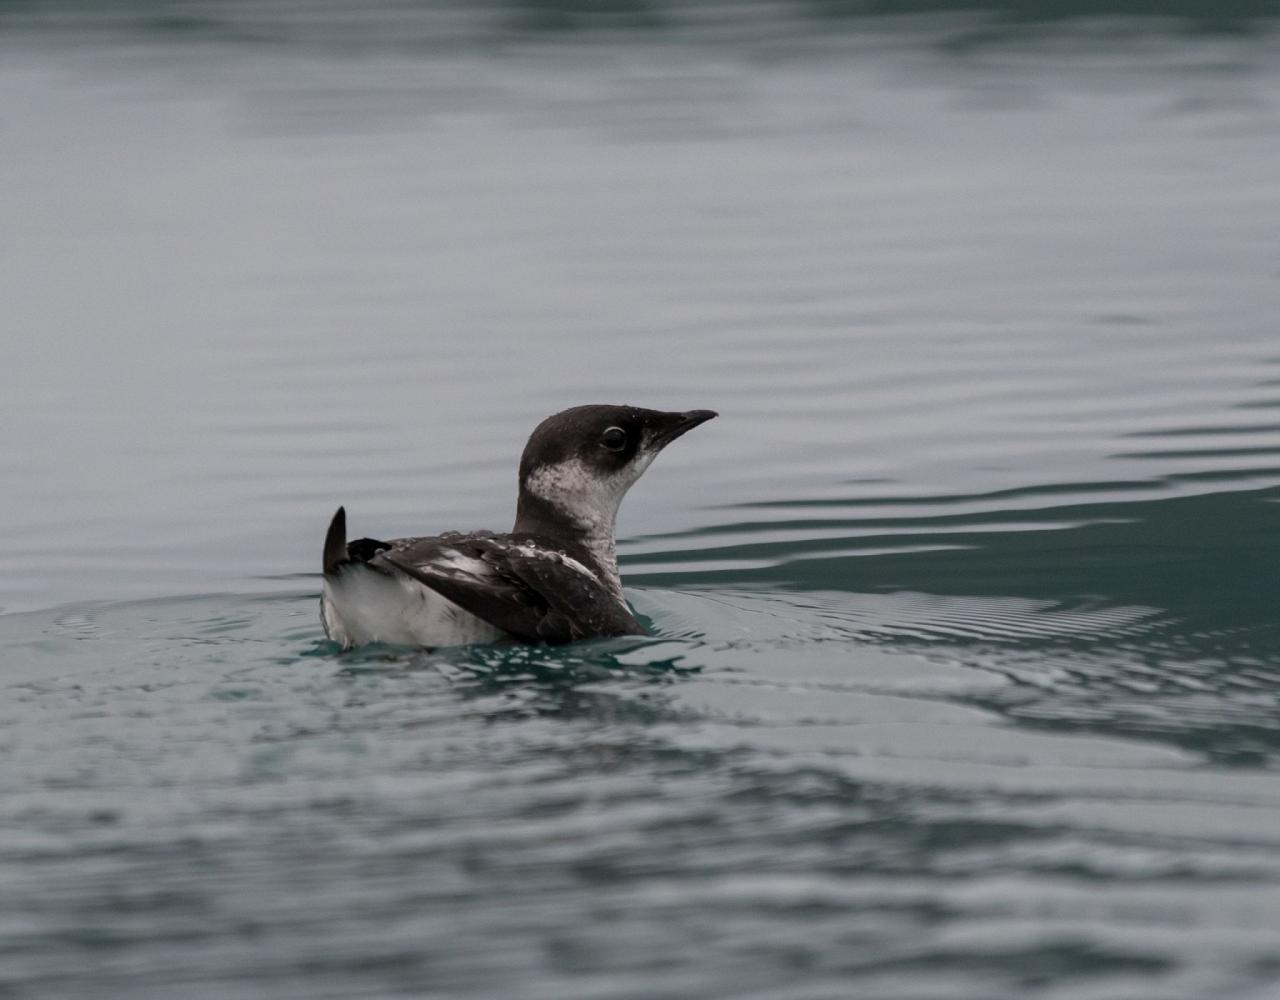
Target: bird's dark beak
(675,424)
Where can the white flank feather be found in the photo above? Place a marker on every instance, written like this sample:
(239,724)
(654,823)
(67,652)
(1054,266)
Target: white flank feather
(363,605)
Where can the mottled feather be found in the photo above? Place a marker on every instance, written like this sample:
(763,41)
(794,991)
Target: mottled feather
(528,591)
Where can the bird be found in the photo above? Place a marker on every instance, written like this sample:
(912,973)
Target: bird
(552,579)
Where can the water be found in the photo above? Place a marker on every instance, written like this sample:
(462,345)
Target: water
(966,659)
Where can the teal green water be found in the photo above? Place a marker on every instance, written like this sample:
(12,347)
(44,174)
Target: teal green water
(964,679)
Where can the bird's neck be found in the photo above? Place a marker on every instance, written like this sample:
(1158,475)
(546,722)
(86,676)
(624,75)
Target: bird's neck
(586,535)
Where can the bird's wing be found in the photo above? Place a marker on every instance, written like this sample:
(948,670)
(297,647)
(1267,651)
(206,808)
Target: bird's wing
(529,591)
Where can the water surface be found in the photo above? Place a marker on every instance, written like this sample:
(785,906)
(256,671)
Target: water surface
(966,664)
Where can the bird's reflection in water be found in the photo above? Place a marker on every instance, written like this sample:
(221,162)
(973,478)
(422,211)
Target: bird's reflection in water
(608,680)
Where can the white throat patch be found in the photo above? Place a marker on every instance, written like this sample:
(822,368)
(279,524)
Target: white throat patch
(581,493)
(591,501)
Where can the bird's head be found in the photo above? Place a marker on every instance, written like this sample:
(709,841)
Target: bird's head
(579,463)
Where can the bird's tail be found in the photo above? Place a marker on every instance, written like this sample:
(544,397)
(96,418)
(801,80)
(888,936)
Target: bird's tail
(335,541)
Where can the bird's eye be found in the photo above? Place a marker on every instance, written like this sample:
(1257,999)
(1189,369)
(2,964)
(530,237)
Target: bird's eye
(615,439)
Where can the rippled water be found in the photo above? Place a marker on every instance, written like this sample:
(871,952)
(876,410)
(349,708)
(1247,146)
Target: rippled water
(965,676)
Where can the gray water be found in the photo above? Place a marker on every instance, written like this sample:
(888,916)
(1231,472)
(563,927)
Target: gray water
(965,673)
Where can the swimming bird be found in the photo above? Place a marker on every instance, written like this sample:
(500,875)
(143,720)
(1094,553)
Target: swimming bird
(553,578)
